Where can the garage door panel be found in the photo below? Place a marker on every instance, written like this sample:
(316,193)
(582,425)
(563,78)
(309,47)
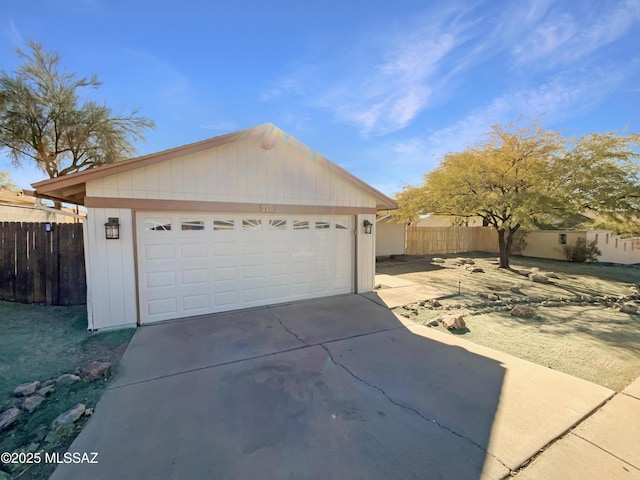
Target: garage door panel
(195,302)
(194,250)
(225,273)
(160,252)
(250,295)
(195,277)
(225,248)
(162,306)
(217,262)
(160,279)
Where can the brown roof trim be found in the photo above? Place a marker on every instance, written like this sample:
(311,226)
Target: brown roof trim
(268,131)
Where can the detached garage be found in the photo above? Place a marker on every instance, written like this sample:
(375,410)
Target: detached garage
(242,220)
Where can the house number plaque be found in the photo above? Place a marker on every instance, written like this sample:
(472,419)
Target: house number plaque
(267,208)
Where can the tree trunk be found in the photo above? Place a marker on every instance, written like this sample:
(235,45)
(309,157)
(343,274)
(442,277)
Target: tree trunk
(504,251)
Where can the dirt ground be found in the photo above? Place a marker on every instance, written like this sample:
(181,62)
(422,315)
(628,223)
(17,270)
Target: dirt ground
(576,329)
(40,343)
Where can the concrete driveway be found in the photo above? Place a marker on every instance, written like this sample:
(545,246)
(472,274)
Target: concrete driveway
(330,388)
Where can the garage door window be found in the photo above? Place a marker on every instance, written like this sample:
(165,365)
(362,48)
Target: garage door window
(277,224)
(301,225)
(152,224)
(322,225)
(224,224)
(191,224)
(252,224)
(342,225)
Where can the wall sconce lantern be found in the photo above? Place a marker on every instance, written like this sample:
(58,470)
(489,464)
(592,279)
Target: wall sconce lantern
(367,227)
(47,227)
(112,229)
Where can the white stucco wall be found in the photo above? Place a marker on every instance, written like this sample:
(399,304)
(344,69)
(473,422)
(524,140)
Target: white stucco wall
(614,248)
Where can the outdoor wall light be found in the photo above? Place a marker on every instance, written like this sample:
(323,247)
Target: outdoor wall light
(47,227)
(112,229)
(367,227)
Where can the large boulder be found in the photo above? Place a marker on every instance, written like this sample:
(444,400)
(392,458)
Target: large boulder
(8,417)
(26,389)
(68,417)
(454,322)
(32,402)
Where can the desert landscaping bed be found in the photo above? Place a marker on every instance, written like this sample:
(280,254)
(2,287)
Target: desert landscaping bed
(52,373)
(573,320)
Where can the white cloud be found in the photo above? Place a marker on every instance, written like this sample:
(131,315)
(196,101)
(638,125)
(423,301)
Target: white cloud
(382,82)
(560,98)
(563,38)
(14,35)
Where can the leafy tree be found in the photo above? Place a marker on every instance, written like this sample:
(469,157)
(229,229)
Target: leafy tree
(43,119)
(524,176)
(7,183)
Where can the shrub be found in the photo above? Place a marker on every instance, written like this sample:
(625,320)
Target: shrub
(581,251)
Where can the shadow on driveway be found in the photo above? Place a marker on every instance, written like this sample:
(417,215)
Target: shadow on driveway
(329,388)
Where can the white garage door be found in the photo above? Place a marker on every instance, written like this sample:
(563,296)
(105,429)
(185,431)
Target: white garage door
(192,263)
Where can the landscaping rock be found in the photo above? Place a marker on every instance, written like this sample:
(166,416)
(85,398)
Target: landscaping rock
(492,297)
(32,402)
(9,417)
(435,303)
(46,391)
(26,389)
(67,379)
(628,307)
(523,311)
(515,290)
(538,278)
(58,433)
(552,275)
(437,260)
(474,269)
(68,417)
(524,273)
(40,434)
(454,322)
(433,323)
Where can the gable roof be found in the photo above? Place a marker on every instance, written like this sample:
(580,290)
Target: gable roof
(72,188)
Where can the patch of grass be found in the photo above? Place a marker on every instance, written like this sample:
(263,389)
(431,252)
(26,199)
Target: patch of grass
(40,343)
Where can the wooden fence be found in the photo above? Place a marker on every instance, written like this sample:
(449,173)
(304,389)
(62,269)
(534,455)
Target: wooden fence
(37,266)
(441,240)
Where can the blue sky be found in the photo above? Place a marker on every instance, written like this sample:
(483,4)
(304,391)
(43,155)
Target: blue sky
(382,88)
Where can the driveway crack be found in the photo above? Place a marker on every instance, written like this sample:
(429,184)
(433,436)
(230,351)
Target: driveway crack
(286,329)
(411,409)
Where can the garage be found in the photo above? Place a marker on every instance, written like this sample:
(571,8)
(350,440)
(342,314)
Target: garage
(191,263)
(246,219)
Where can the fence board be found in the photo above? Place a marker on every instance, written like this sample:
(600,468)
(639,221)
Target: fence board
(443,240)
(42,267)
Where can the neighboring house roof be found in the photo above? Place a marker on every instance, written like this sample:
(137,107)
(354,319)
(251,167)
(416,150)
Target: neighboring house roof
(72,188)
(14,198)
